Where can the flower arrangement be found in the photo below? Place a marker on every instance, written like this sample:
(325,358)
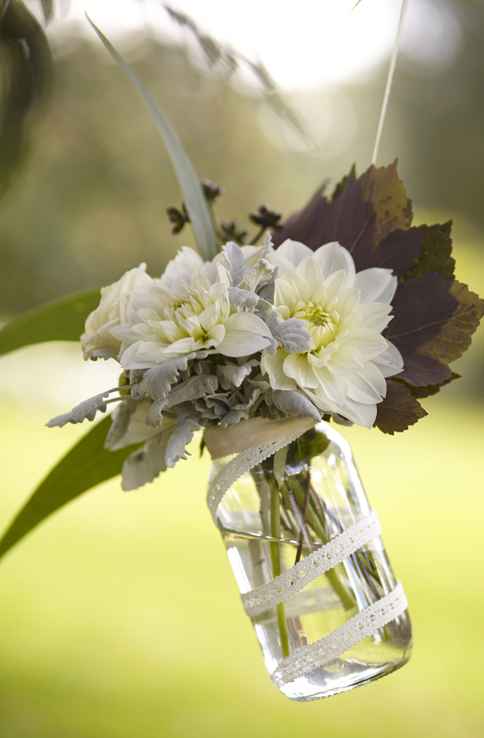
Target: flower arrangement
(342,313)
(356,329)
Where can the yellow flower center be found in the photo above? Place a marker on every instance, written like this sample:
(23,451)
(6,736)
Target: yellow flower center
(323,325)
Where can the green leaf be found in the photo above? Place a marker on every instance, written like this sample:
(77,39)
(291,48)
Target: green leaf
(188,179)
(86,465)
(60,320)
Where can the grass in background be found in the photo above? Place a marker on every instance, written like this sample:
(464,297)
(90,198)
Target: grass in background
(120,618)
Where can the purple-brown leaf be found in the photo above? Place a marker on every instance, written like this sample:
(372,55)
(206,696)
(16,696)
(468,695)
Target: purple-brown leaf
(399,409)
(435,251)
(361,215)
(455,335)
(421,308)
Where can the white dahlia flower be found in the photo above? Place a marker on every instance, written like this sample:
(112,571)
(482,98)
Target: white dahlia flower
(118,306)
(190,311)
(345,313)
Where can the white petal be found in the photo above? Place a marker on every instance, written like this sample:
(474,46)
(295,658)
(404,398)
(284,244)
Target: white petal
(180,271)
(390,362)
(368,386)
(297,367)
(286,293)
(293,251)
(272,365)
(246,334)
(247,322)
(364,415)
(141,355)
(376,285)
(332,257)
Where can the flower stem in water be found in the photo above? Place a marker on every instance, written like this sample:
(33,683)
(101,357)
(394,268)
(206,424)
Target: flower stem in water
(276,567)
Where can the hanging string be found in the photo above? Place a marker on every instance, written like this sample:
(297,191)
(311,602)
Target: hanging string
(388,86)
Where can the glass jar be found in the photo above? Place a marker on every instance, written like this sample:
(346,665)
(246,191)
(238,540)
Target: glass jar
(305,549)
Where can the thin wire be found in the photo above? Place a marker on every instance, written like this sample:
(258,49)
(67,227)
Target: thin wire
(388,86)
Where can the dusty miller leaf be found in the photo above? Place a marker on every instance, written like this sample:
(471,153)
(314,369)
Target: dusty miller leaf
(232,375)
(158,454)
(235,262)
(192,389)
(243,299)
(294,404)
(129,425)
(157,381)
(291,334)
(86,410)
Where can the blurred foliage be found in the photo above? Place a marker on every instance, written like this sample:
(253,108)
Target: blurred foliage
(25,65)
(91,200)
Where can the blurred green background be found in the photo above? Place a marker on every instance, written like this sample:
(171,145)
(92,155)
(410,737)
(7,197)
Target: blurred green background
(119,618)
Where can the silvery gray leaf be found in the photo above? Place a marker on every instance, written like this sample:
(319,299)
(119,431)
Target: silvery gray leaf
(119,424)
(294,404)
(243,299)
(178,440)
(84,411)
(234,416)
(235,261)
(192,389)
(144,465)
(292,333)
(232,375)
(157,455)
(267,291)
(154,415)
(258,271)
(130,425)
(158,380)
(294,336)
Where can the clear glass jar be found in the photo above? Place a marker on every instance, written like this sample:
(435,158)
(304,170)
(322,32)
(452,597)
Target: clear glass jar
(288,510)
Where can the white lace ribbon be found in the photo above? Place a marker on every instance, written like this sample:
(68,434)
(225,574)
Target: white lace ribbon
(362,625)
(308,658)
(286,586)
(248,459)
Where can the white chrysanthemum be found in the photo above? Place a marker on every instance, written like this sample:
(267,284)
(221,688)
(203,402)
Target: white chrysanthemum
(119,305)
(190,311)
(345,312)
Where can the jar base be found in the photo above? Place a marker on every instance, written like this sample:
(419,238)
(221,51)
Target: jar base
(310,688)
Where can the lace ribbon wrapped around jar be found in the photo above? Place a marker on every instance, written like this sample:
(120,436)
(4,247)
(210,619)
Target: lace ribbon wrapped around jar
(306,552)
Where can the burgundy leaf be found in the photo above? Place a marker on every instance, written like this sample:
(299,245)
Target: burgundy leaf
(436,251)
(434,388)
(423,371)
(455,335)
(399,409)
(361,214)
(383,188)
(398,251)
(421,308)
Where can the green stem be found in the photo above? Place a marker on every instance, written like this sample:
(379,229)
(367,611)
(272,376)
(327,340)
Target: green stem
(276,567)
(316,524)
